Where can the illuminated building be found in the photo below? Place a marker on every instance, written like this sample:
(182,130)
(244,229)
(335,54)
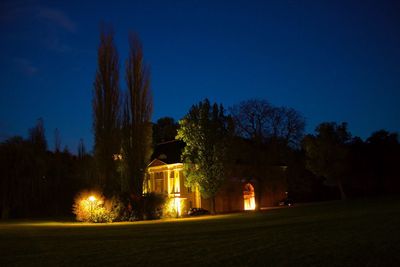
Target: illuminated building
(165,175)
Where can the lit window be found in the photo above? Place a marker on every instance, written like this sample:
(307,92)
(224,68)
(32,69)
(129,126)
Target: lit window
(159,182)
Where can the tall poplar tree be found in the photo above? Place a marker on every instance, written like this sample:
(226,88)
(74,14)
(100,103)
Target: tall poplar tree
(106,106)
(136,120)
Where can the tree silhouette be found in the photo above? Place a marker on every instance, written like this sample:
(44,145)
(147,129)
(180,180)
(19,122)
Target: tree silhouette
(106,106)
(37,136)
(57,140)
(271,131)
(262,122)
(136,122)
(164,130)
(328,154)
(252,119)
(81,149)
(16,166)
(383,152)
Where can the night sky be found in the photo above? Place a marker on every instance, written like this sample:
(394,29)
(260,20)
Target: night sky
(330,60)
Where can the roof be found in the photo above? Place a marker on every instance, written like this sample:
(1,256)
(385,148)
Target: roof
(169,152)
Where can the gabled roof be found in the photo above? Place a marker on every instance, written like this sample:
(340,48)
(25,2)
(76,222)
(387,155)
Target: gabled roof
(168,152)
(156,162)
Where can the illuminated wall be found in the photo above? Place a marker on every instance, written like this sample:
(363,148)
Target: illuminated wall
(234,195)
(168,179)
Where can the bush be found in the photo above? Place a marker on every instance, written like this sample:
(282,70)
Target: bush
(93,207)
(147,207)
(173,207)
(153,205)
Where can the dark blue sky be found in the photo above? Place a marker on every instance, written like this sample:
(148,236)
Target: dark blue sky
(331,60)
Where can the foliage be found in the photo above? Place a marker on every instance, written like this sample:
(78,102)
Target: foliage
(148,207)
(93,207)
(165,129)
(106,106)
(81,149)
(383,137)
(20,171)
(374,165)
(152,205)
(206,132)
(35,182)
(37,136)
(271,136)
(327,152)
(173,207)
(261,122)
(136,125)
(57,140)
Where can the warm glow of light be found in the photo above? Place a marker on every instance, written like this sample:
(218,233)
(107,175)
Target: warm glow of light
(117,156)
(177,204)
(174,207)
(177,188)
(250,204)
(249,199)
(89,207)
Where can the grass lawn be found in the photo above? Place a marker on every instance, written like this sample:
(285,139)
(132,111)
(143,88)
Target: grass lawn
(351,233)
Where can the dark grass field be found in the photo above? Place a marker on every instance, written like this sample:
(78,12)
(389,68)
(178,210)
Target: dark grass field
(351,233)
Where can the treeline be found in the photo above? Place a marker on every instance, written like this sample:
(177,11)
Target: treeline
(328,164)
(36,182)
(347,166)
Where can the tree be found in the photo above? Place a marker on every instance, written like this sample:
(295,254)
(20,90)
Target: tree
(106,106)
(327,152)
(57,140)
(251,119)
(37,136)
(136,122)
(262,122)
(287,124)
(23,180)
(272,132)
(37,182)
(383,156)
(164,130)
(205,131)
(384,138)
(81,149)
(17,164)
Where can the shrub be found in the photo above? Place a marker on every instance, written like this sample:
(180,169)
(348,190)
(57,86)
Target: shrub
(153,205)
(173,208)
(147,207)
(116,208)
(93,207)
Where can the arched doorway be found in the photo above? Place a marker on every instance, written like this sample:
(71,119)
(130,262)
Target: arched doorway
(248,197)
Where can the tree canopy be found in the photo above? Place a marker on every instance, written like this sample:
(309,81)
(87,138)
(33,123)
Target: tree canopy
(327,152)
(165,129)
(206,131)
(262,122)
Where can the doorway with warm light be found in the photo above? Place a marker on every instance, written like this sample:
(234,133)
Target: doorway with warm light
(249,197)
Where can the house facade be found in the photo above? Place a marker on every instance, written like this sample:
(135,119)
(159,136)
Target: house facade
(168,179)
(165,175)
